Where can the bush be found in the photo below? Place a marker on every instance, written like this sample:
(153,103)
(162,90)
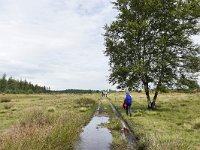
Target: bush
(5,100)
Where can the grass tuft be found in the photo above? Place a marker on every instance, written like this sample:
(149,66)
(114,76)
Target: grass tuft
(197,126)
(83,109)
(8,106)
(3,111)
(51,109)
(5,100)
(84,102)
(35,116)
(115,124)
(14,109)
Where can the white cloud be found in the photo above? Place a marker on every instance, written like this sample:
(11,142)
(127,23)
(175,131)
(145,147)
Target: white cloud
(55,43)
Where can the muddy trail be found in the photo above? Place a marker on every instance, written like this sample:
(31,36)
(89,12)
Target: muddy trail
(126,132)
(97,136)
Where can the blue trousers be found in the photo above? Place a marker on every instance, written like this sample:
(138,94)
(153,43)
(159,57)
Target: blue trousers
(128,109)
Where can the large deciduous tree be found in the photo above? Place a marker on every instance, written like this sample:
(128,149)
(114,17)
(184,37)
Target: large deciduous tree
(150,43)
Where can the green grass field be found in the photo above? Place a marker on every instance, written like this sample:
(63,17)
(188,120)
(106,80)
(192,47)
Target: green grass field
(43,121)
(174,125)
(55,121)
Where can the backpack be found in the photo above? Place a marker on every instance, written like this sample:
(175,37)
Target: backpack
(128,99)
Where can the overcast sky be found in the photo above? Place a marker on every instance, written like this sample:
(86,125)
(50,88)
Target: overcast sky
(57,43)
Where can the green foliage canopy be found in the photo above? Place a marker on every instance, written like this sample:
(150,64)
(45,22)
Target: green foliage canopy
(150,42)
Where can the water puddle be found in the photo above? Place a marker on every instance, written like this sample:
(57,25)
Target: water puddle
(94,136)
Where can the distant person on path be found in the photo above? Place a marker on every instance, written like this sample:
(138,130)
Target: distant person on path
(128,102)
(104,93)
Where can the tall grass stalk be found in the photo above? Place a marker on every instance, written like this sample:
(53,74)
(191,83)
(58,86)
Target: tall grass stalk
(39,128)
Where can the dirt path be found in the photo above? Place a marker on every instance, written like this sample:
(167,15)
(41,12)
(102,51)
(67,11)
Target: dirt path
(97,134)
(126,129)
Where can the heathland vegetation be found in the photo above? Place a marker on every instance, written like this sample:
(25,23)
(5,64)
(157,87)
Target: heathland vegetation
(43,121)
(54,121)
(149,46)
(175,124)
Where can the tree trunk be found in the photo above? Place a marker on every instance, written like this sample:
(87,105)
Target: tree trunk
(153,104)
(146,87)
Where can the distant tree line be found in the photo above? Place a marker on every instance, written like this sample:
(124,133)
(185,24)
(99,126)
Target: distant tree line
(14,86)
(77,91)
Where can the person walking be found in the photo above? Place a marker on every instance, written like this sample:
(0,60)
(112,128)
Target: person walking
(128,102)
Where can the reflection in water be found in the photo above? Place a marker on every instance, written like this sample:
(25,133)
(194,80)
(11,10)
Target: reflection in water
(95,137)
